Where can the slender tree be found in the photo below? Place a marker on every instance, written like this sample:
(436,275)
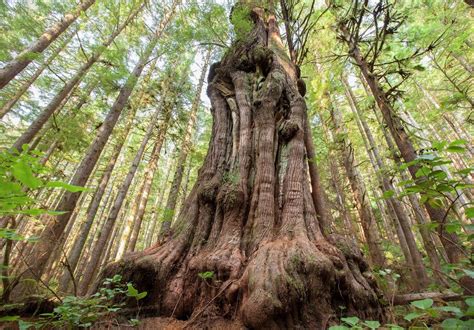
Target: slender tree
(367,217)
(54,229)
(109,224)
(14,67)
(402,139)
(24,87)
(55,103)
(413,256)
(183,153)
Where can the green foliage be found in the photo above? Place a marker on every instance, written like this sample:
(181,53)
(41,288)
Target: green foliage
(448,317)
(421,315)
(241,21)
(434,184)
(21,173)
(83,312)
(206,275)
(353,322)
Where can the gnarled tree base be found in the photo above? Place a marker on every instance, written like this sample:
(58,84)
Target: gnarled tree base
(284,284)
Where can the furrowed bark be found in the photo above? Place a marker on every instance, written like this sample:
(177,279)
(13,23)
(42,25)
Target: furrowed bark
(250,221)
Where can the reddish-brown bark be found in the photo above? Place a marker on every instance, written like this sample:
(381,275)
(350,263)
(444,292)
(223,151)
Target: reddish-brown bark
(250,218)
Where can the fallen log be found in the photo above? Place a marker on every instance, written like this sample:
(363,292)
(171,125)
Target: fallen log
(404,299)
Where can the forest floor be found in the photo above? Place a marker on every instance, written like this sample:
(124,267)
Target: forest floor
(167,323)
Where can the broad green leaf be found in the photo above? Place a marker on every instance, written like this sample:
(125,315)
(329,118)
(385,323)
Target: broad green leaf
(142,295)
(338,327)
(422,304)
(453,227)
(423,171)
(455,149)
(352,320)
(411,316)
(131,291)
(469,301)
(470,212)
(469,273)
(438,174)
(23,173)
(9,318)
(23,325)
(66,186)
(387,194)
(372,324)
(459,142)
(450,324)
(451,309)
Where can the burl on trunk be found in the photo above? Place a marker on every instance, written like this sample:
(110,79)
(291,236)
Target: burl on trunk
(250,218)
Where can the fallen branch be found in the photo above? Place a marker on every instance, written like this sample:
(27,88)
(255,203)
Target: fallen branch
(404,299)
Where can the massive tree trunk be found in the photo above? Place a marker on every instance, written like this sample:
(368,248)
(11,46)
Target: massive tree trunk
(20,62)
(250,218)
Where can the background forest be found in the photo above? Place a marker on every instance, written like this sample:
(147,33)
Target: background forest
(105,122)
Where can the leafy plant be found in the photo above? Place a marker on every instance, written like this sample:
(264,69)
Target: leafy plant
(423,314)
(83,312)
(206,275)
(450,317)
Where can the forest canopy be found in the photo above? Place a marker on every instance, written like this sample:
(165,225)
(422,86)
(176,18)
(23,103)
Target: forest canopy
(237,164)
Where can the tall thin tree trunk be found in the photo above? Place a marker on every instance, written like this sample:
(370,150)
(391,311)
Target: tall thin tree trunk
(53,105)
(122,194)
(183,153)
(24,87)
(155,214)
(14,67)
(144,190)
(401,218)
(406,147)
(361,197)
(76,250)
(422,221)
(55,227)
